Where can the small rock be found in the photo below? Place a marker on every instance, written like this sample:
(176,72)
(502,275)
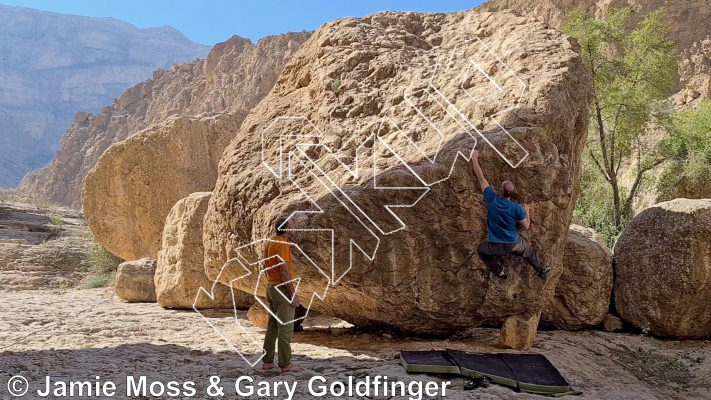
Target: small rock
(258,315)
(134,281)
(611,323)
(338,331)
(519,332)
(81,117)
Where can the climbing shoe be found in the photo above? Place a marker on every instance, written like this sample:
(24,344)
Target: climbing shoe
(477,382)
(544,272)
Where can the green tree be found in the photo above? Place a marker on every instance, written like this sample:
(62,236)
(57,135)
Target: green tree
(688,172)
(632,76)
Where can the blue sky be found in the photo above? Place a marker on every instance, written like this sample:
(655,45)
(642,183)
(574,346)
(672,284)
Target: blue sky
(213,21)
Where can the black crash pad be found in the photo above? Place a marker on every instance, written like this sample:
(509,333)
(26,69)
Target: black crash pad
(531,373)
(479,365)
(430,362)
(535,374)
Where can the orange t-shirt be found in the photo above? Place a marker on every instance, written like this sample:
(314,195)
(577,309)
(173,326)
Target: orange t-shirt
(277,246)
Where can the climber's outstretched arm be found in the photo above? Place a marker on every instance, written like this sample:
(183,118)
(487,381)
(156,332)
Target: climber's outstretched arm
(483,183)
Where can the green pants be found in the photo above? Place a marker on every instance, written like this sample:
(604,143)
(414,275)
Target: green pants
(282,308)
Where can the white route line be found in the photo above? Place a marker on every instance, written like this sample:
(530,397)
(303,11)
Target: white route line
(311,167)
(241,259)
(493,117)
(279,175)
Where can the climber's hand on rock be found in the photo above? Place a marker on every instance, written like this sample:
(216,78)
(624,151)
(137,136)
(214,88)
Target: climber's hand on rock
(475,154)
(527,208)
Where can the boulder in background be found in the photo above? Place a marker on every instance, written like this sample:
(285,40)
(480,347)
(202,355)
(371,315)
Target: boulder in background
(134,281)
(663,270)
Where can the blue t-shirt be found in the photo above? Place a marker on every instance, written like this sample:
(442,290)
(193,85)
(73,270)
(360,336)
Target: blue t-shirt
(502,218)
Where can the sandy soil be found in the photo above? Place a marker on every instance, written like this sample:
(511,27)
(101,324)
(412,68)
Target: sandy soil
(78,334)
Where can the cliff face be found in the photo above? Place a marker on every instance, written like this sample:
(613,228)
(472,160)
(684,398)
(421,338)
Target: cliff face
(688,23)
(236,75)
(53,65)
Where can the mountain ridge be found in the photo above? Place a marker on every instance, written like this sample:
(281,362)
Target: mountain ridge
(236,75)
(54,65)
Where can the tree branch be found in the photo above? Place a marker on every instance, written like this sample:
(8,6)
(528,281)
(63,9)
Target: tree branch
(603,144)
(599,167)
(638,180)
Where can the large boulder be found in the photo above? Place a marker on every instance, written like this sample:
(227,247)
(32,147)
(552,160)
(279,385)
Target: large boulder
(180,272)
(424,276)
(135,183)
(662,270)
(134,281)
(583,295)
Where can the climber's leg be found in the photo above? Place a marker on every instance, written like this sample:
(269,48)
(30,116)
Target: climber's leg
(487,252)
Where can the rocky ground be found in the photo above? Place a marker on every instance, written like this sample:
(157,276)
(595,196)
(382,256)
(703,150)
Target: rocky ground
(41,245)
(48,326)
(78,334)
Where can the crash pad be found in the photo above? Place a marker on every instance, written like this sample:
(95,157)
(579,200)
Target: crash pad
(535,374)
(525,372)
(429,362)
(479,365)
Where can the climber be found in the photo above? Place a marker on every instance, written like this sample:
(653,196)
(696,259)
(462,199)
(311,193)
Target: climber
(502,218)
(278,271)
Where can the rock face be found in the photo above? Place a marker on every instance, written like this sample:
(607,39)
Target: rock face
(235,76)
(426,277)
(680,18)
(180,272)
(695,74)
(37,253)
(687,22)
(582,297)
(134,281)
(134,185)
(55,64)
(662,269)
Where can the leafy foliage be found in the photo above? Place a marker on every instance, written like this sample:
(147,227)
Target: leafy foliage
(56,219)
(5,196)
(99,281)
(335,85)
(632,76)
(688,172)
(102,266)
(42,205)
(595,207)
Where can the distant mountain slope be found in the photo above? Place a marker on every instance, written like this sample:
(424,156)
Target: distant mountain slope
(688,19)
(235,76)
(53,65)
(689,28)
